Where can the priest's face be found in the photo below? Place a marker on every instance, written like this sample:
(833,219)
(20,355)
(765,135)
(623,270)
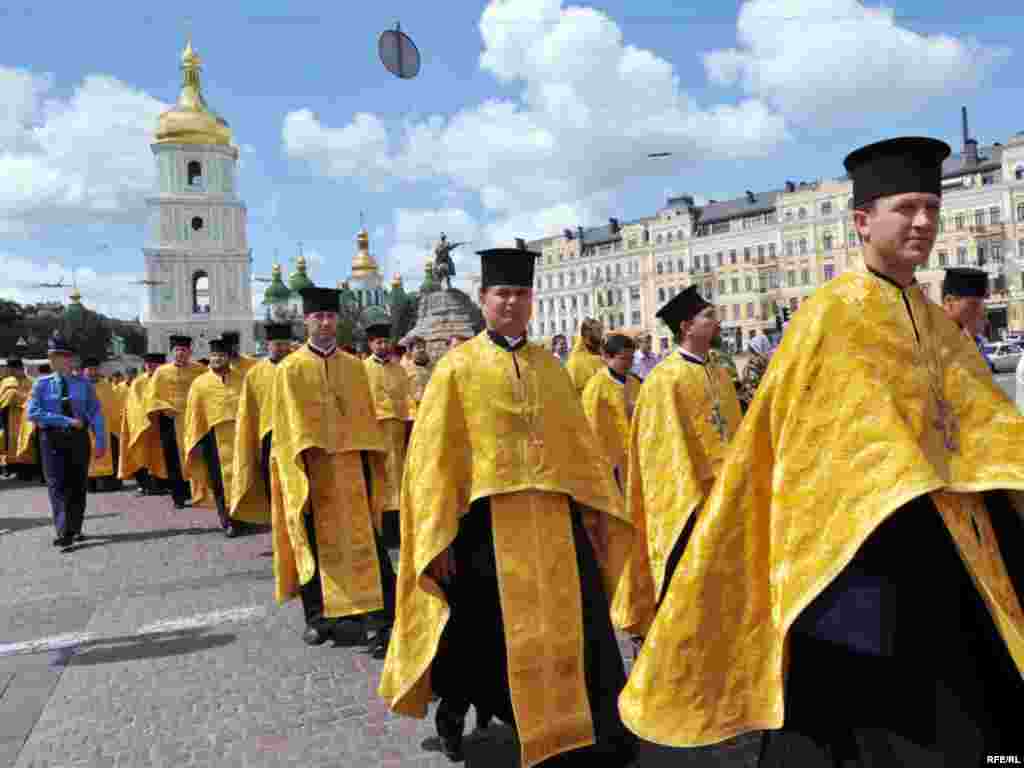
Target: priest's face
(703,327)
(966,311)
(620,362)
(219,361)
(182,355)
(419,353)
(150,367)
(507,309)
(381,347)
(279,350)
(900,230)
(322,327)
(92,374)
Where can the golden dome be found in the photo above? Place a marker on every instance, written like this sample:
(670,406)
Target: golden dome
(191,121)
(75,295)
(363,263)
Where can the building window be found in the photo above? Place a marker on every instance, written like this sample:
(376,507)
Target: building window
(981,254)
(789,247)
(561,302)
(979,218)
(668,266)
(658,239)
(195,174)
(1018,174)
(735,285)
(826,242)
(572,302)
(618,270)
(773,278)
(826,208)
(959,219)
(550,282)
(720,227)
(942,224)
(997,253)
(791,278)
(197,223)
(583,275)
(661,295)
(802,213)
(668,237)
(789,214)
(943,258)
(750,310)
(830,272)
(805,276)
(994,214)
(803,245)
(622,319)
(721,286)
(988,179)
(1020,211)
(200,292)
(660,268)
(561,281)
(961,256)
(760,254)
(771,251)
(608,274)
(682,266)
(585,300)
(732,253)
(707,261)
(720,257)
(635,317)
(562,323)
(746,255)
(572,278)
(735,311)
(748,283)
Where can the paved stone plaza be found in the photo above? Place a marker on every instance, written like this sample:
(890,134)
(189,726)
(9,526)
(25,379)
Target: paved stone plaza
(158,643)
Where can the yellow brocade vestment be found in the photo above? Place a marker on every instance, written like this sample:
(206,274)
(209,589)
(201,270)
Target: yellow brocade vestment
(14,396)
(244,364)
(110,405)
(168,391)
(323,418)
(248,500)
(582,365)
(140,437)
(389,386)
(522,441)
(684,419)
(419,377)
(212,406)
(846,428)
(608,405)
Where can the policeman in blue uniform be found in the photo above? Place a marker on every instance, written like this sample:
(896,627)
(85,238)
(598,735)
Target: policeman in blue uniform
(64,409)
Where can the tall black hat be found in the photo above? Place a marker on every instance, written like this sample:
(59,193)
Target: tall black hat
(895,167)
(278,331)
(507,266)
(316,299)
(180,341)
(682,307)
(15,363)
(221,345)
(155,357)
(965,282)
(57,343)
(90,362)
(378,331)
(232,339)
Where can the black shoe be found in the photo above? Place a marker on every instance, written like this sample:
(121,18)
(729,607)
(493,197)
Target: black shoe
(348,632)
(141,492)
(379,646)
(80,537)
(315,636)
(182,504)
(231,531)
(63,541)
(449,731)
(483,719)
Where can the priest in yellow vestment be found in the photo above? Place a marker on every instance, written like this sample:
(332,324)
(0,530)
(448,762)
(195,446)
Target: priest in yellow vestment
(142,456)
(418,369)
(238,361)
(166,397)
(853,581)
(508,510)
(15,390)
(585,358)
(250,487)
(608,402)
(327,544)
(103,467)
(687,413)
(389,387)
(210,414)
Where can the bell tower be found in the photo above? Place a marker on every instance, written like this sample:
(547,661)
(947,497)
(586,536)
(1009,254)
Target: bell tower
(198,260)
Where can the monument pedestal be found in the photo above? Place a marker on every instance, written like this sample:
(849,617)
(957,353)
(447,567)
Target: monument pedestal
(443,314)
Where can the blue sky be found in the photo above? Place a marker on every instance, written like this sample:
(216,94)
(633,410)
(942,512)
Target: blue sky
(529,116)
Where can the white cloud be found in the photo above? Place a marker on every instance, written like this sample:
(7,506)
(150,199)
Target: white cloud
(114,294)
(74,160)
(825,62)
(590,109)
(414,234)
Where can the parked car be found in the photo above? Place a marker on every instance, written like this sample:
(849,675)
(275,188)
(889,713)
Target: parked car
(1004,356)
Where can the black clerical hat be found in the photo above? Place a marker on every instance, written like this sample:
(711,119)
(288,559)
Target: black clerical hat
(57,343)
(681,308)
(90,362)
(378,331)
(316,299)
(615,343)
(15,363)
(895,167)
(278,331)
(963,281)
(220,345)
(232,339)
(180,341)
(507,266)
(155,357)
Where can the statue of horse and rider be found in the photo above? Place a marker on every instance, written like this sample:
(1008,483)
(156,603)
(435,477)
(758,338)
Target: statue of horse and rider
(444,267)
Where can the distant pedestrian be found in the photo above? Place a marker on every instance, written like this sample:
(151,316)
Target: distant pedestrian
(65,409)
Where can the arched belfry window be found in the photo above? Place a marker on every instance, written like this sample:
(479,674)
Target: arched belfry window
(200,292)
(195,173)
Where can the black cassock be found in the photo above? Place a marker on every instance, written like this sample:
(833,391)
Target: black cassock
(898,662)
(471,665)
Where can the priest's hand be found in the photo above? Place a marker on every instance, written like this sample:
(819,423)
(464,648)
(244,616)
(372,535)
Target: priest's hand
(596,525)
(442,567)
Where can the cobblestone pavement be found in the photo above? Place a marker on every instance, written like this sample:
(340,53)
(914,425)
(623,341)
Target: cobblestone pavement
(158,643)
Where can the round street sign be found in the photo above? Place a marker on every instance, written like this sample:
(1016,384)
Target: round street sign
(399,53)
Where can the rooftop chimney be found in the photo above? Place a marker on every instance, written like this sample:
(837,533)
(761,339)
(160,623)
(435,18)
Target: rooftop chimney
(790,186)
(750,196)
(567,233)
(579,233)
(967,135)
(614,224)
(970,151)
(520,244)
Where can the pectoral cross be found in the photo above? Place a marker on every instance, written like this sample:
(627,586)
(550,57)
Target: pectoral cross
(717,420)
(947,423)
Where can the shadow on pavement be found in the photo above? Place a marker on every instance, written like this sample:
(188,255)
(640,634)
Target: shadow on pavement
(101,540)
(15,524)
(151,646)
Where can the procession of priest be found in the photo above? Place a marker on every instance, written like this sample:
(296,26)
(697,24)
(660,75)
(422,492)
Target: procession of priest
(825,548)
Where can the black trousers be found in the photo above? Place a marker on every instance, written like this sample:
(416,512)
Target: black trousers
(169,441)
(110,482)
(65,456)
(211,455)
(265,462)
(313,594)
